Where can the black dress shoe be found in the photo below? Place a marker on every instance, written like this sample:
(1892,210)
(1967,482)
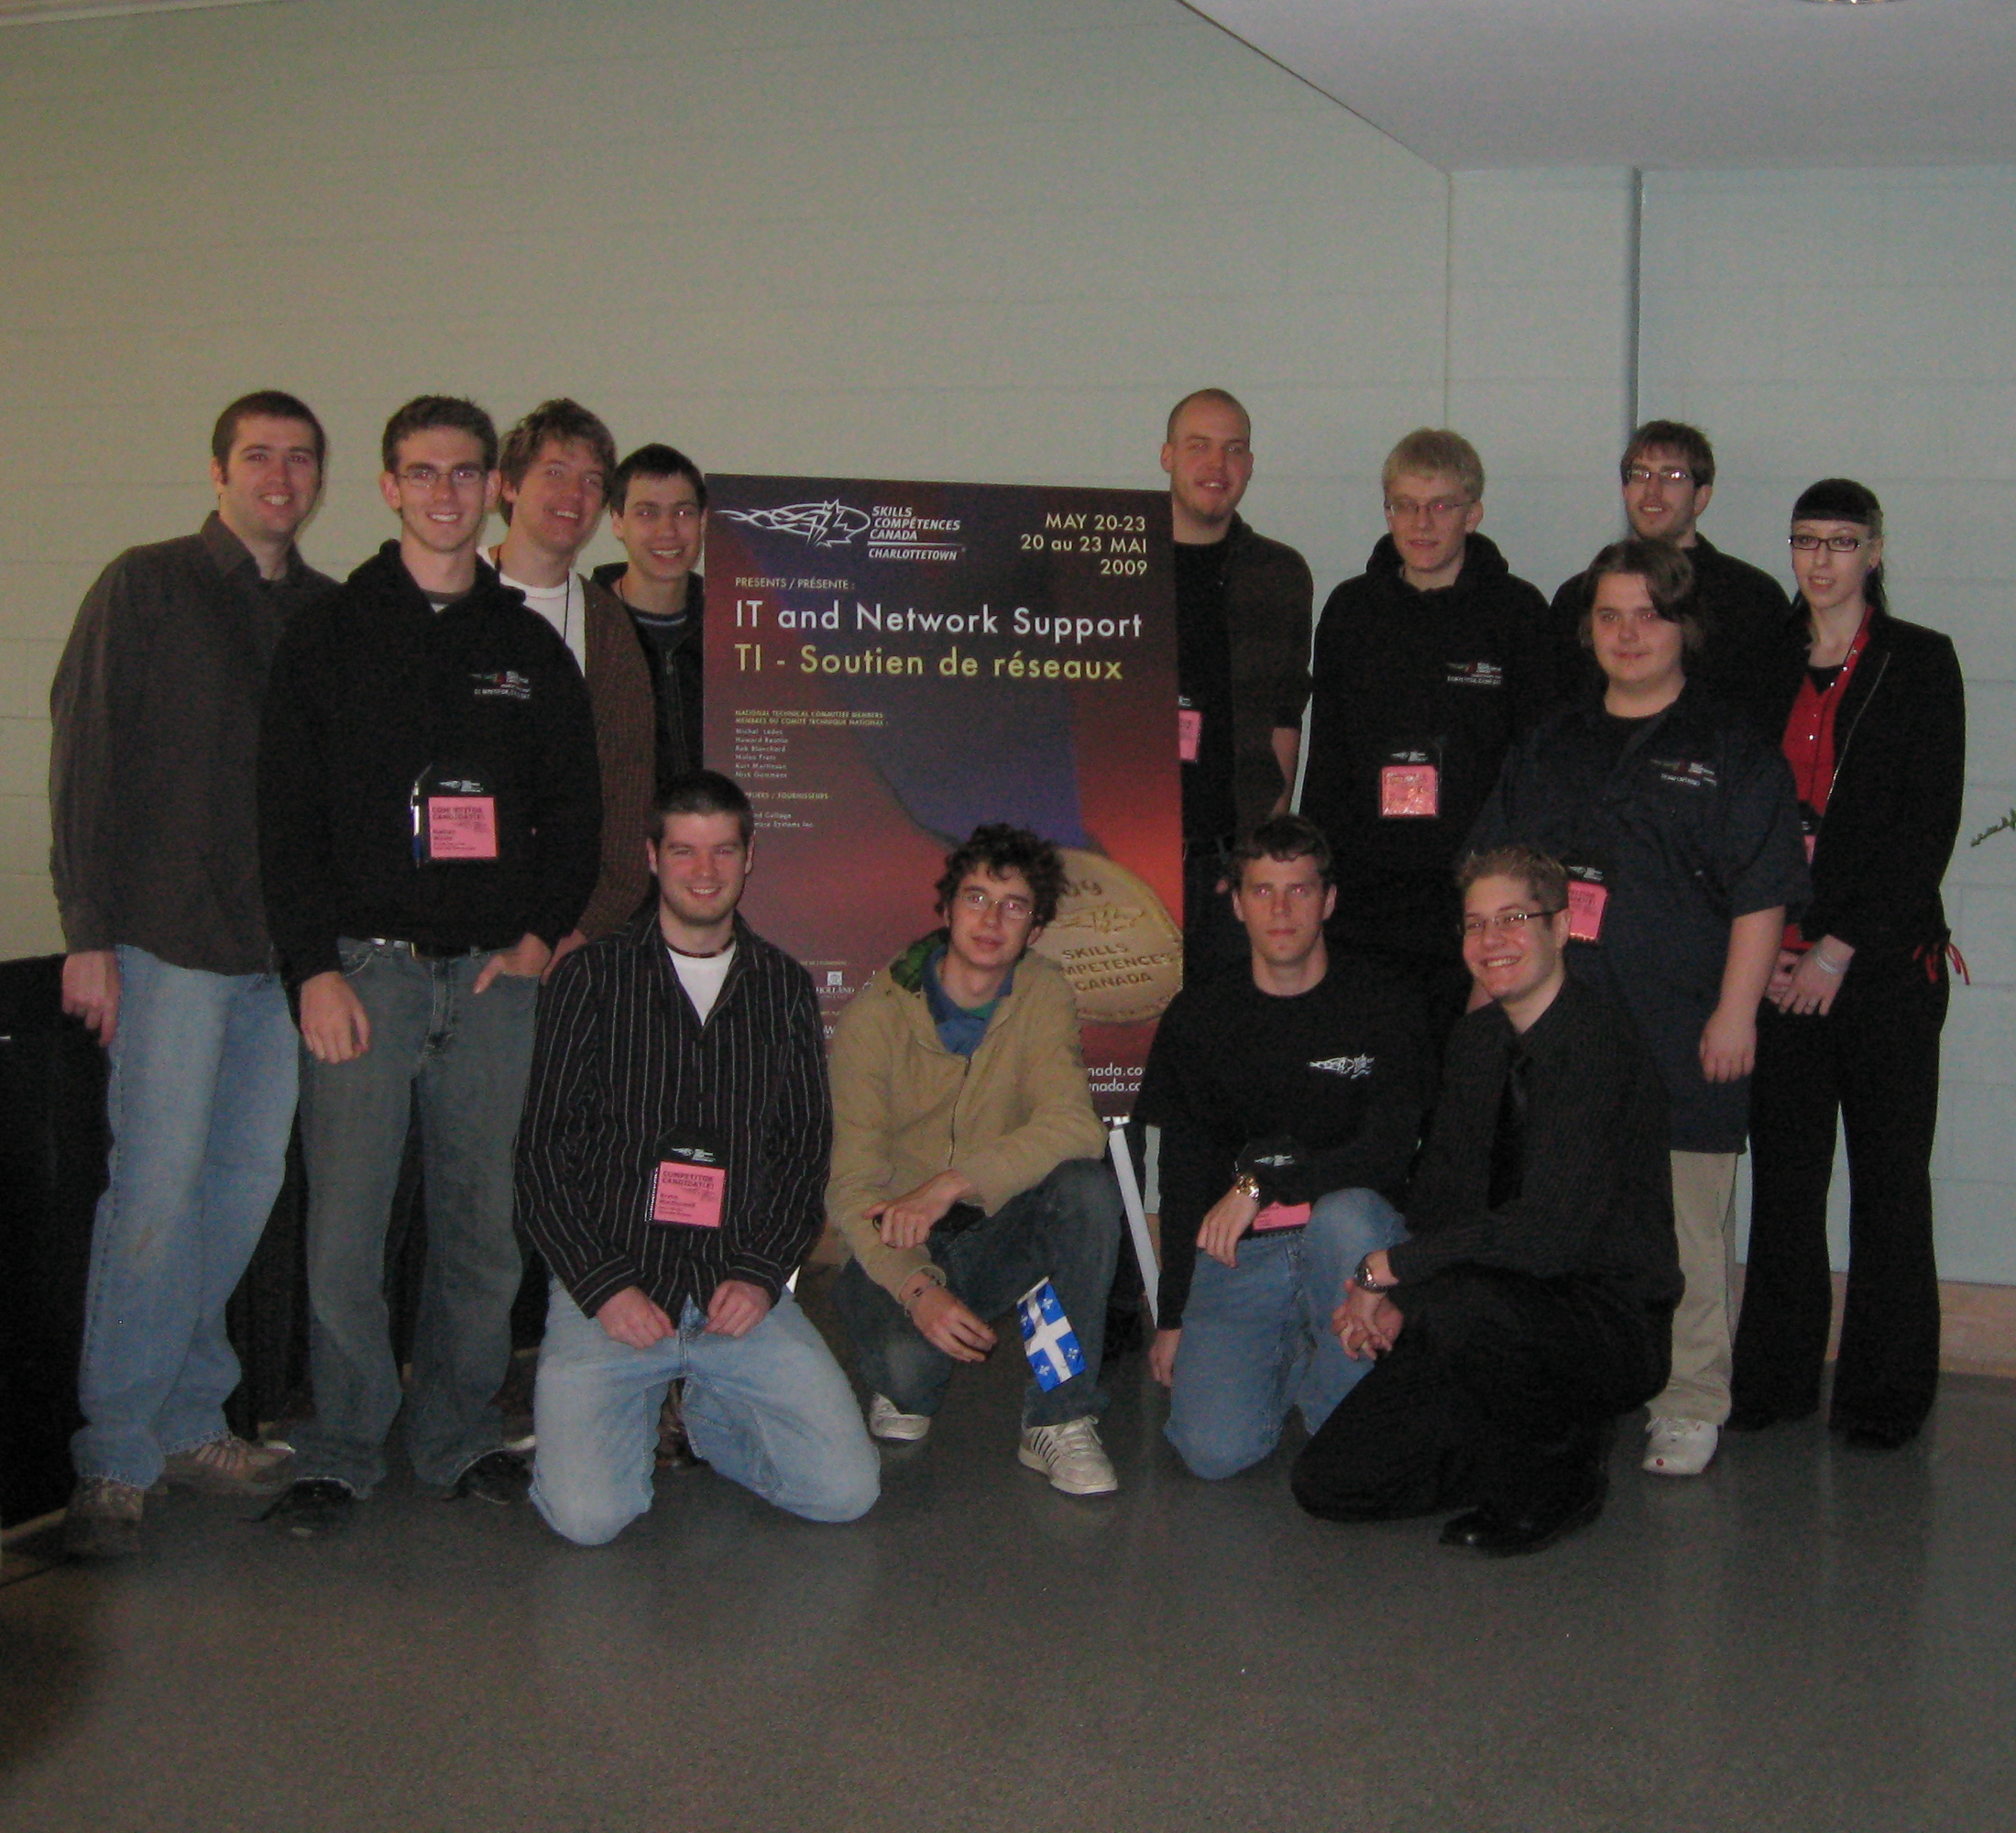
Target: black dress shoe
(1467,1530)
(1496,1536)
(315,1506)
(1872,1435)
(500,1476)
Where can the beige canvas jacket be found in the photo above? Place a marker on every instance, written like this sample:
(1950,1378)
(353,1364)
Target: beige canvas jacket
(905,1108)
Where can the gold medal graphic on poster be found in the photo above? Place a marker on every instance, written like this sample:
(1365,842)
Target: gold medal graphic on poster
(1114,942)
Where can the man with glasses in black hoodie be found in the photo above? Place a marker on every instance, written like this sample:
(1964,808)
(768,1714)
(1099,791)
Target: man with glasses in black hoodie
(429,809)
(1427,666)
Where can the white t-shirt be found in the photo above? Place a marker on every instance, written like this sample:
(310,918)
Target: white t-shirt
(702,976)
(563,606)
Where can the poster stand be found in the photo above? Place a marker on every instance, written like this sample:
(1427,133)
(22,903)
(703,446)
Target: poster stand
(1137,1219)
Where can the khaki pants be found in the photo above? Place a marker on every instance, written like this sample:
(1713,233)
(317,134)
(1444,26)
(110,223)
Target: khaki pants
(1704,1224)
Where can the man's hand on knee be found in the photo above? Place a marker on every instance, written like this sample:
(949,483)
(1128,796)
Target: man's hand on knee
(333,1021)
(948,1327)
(1367,1323)
(907,1221)
(630,1317)
(737,1307)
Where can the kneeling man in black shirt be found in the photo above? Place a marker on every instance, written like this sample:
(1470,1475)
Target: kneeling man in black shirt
(1290,1099)
(1531,1301)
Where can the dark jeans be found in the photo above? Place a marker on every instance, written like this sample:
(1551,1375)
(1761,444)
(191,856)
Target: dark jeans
(1066,1230)
(1873,1060)
(1501,1391)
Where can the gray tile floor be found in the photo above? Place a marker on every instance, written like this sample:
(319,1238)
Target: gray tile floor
(1804,1639)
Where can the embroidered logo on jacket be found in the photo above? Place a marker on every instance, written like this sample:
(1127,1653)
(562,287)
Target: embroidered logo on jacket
(1686,773)
(1351,1067)
(1475,674)
(501,684)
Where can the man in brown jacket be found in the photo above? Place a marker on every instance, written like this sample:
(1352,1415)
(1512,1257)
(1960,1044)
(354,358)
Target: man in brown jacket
(967,1163)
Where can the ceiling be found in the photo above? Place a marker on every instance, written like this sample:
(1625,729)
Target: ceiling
(1667,84)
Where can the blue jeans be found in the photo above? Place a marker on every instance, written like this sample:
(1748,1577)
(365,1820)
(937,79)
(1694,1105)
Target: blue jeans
(1066,1229)
(465,1057)
(201,1100)
(1256,1337)
(770,1410)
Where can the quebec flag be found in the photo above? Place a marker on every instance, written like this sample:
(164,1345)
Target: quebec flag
(1047,1338)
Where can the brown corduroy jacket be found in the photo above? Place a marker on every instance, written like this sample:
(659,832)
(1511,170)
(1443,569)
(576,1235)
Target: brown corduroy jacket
(625,737)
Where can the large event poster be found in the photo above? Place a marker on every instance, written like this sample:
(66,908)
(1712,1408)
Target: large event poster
(890,665)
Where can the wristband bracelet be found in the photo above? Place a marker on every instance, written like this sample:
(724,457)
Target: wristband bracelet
(1824,965)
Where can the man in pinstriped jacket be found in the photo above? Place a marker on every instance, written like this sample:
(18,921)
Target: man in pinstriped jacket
(672,1166)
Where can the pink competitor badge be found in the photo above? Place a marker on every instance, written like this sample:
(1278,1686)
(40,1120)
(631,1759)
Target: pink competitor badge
(1586,902)
(1408,791)
(688,1196)
(1281,1216)
(1189,733)
(462,827)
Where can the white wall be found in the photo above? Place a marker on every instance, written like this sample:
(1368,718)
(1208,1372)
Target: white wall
(1542,272)
(1864,323)
(963,239)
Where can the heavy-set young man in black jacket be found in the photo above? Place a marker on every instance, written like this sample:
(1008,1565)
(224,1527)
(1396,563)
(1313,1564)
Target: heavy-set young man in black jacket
(671,1167)
(1531,1302)
(429,809)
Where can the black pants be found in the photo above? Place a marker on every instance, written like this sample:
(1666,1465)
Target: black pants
(1873,1060)
(1502,1391)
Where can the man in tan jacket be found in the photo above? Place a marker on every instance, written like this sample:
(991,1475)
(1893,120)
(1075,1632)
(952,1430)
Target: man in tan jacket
(967,1163)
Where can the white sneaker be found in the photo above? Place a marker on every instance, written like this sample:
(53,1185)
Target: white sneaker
(1680,1447)
(1071,1456)
(885,1422)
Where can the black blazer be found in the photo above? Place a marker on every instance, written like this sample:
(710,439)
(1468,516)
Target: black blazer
(1894,812)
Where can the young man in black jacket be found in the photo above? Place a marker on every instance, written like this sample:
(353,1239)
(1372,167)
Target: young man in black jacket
(1530,1302)
(429,807)
(671,1169)
(1290,1101)
(1426,666)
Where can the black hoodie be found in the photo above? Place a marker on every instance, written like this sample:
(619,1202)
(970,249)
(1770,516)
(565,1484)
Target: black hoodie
(369,688)
(1445,678)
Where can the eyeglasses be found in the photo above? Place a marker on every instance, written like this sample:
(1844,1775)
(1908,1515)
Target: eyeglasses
(1642,475)
(428,476)
(1508,921)
(1014,909)
(1834,544)
(686,515)
(1440,509)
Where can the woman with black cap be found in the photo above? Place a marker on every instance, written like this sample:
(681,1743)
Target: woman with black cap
(1875,732)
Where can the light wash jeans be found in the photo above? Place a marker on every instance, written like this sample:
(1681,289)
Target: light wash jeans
(1256,1337)
(201,1100)
(466,1059)
(770,1410)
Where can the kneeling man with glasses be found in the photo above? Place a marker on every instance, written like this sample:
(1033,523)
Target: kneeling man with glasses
(1531,1301)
